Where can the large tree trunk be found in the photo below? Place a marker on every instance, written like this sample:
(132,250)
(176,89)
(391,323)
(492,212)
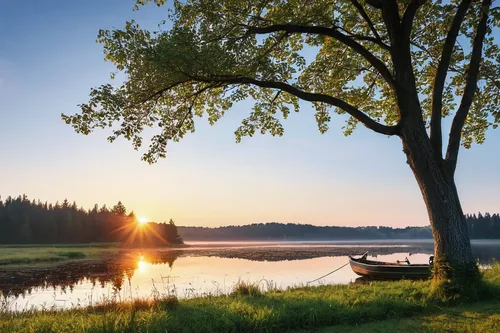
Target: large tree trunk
(453,263)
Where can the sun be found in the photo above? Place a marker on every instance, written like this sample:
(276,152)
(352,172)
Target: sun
(142,220)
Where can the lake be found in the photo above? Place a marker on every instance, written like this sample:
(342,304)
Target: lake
(202,269)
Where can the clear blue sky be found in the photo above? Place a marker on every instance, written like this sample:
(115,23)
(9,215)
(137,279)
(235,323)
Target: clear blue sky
(48,62)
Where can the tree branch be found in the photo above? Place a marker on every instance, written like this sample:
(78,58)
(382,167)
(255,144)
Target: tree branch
(409,15)
(307,96)
(375,3)
(401,56)
(422,48)
(436,134)
(365,16)
(390,14)
(344,39)
(404,76)
(374,40)
(469,90)
(160,92)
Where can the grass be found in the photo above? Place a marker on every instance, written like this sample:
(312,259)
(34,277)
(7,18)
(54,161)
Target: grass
(246,289)
(481,317)
(24,255)
(401,306)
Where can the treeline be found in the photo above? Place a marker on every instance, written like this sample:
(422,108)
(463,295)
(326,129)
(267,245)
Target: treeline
(24,221)
(296,232)
(485,226)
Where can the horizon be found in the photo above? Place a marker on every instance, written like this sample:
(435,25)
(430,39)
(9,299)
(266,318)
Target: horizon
(206,179)
(147,220)
(302,224)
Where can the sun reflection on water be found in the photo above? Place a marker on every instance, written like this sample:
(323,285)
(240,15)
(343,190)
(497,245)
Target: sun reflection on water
(142,265)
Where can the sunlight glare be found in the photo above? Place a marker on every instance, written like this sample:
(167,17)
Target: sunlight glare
(142,265)
(142,220)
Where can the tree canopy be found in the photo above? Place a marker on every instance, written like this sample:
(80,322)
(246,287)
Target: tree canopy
(342,56)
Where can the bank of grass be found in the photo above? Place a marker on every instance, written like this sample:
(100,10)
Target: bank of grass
(40,254)
(401,306)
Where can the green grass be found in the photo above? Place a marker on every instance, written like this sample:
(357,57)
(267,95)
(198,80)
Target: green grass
(480,317)
(385,307)
(246,289)
(28,255)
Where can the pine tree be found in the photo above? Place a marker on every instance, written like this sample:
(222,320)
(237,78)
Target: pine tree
(173,234)
(119,209)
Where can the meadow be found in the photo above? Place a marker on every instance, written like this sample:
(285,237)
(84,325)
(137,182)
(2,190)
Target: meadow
(45,254)
(397,306)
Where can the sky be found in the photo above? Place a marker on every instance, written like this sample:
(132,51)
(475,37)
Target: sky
(49,60)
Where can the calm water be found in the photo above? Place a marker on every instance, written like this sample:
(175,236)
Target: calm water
(198,272)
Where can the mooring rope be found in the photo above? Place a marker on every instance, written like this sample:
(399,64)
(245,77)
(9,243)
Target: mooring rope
(328,273)
(333,271)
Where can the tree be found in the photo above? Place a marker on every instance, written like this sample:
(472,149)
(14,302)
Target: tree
(119,209)
(396,67)
(172,233)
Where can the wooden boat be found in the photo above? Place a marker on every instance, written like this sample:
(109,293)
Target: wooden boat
(388,270)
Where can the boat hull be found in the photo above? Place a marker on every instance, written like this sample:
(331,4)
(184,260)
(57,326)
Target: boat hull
(383,270)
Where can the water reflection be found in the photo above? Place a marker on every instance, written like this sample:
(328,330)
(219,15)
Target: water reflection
(65,277)
(142,265)
(188,273)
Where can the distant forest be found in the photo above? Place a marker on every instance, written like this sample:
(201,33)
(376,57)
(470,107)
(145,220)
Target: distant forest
(24,221)
(34,222)
(485,226)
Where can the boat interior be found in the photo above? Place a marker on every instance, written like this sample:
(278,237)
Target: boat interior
(383,263)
